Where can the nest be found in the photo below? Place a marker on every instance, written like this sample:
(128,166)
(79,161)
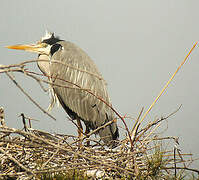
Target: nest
(35,154)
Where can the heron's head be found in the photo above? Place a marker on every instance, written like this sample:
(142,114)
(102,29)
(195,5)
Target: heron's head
(41,47)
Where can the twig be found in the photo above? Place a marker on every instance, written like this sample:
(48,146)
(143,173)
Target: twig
(101,127)
(174,154)
(156,122)
(2,116)
(169,81)
(186,168)
(22,64)
(24,122)
(15,82)
(136,126)
(137,120)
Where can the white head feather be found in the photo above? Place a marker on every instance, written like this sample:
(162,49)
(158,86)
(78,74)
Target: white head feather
(48,35)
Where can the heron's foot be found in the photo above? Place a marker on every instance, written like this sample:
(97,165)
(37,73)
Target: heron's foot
(87,132)
(80,136)
(80,133)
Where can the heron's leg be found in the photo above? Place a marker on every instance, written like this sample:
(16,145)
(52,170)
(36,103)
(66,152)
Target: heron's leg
(86,132)
(80,131)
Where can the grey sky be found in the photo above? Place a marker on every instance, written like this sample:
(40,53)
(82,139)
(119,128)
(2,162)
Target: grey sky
(137,45)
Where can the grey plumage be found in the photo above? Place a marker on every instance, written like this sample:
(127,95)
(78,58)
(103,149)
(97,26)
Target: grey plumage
(90,109)
(69,63)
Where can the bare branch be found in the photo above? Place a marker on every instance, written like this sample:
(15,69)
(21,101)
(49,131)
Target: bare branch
(34,102)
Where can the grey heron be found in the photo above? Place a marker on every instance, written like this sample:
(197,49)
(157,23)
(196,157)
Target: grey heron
(68,65)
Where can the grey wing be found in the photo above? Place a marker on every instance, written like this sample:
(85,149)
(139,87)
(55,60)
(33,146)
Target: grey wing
(83,73)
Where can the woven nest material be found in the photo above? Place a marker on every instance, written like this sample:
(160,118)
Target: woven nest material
(34,154)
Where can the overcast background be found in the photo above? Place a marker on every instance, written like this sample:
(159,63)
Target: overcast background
(137,46)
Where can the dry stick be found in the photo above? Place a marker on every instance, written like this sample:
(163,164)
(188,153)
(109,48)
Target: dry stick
(137,120)
(29,120)
(171,155)
(174,154)
(178,150)
(182,168)
(150,134)
(156,122)
(169,81)
(10,70)
(30,126)
(24,121)
(94,131)
(15,82)
(136,126)
(22,64)
(163,138)
(18,68)
(2,116)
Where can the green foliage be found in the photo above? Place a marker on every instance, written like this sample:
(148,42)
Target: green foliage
(155,163)
(70,175)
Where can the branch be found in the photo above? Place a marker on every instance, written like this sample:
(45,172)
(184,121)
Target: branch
(167,84)
(34,102)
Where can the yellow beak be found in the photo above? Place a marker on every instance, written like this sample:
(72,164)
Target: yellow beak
(40,48)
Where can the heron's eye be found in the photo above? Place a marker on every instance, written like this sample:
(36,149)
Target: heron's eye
(55,48)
